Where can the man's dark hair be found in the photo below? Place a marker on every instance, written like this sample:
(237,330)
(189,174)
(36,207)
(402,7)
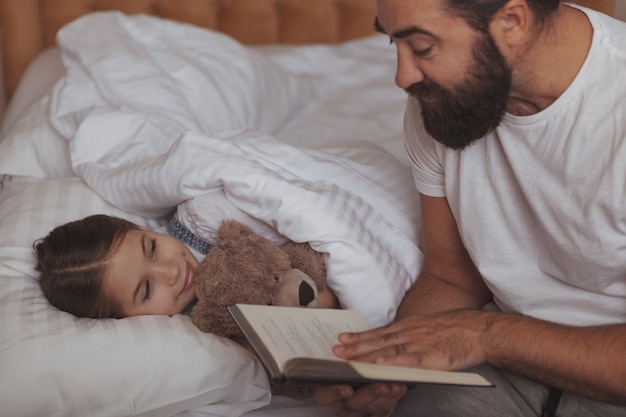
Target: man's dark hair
(478,13)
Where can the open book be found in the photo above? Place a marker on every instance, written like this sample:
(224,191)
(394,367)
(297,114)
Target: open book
(294,344)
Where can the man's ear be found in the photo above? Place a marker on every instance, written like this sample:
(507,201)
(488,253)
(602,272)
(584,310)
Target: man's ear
(511,24)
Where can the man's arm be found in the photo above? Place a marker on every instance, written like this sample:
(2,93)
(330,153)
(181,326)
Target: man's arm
(440,325)
(590,361)
(585,360)
(448,279)
(444,256)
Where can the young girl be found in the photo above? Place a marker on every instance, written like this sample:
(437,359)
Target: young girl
(107,267)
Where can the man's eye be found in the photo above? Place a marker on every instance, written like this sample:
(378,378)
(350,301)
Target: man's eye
(422,52)
(148,291)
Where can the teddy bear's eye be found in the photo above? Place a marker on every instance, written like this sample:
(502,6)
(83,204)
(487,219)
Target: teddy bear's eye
(277,279)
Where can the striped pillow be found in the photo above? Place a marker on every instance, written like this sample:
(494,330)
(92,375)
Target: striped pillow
(54,364)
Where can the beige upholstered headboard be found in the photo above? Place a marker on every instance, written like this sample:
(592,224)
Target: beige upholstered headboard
(29,26)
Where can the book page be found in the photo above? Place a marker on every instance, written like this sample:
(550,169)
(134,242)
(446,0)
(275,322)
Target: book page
(290,332)
(408,374)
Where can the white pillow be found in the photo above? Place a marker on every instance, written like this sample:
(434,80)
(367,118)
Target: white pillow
(54,364)
(30,146)
(175,77)
(33,148)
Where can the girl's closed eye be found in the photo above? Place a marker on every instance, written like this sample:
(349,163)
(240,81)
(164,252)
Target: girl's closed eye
(153,247)
(147,292)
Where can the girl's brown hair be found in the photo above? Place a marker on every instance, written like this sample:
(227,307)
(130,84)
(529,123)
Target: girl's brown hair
(72,260)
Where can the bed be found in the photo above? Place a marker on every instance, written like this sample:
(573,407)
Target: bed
(282,111)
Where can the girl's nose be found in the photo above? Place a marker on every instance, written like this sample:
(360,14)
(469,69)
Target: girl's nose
(167,271)
(408,71)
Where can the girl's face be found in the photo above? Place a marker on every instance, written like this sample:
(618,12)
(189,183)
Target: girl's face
(150,273)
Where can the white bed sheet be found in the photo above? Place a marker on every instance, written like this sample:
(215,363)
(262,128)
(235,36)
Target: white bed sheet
(357,110)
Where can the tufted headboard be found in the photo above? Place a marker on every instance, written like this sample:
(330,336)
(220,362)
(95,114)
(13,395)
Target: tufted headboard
(29,26)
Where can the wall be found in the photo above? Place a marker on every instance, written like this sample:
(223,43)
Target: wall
(619,12)
(620,9)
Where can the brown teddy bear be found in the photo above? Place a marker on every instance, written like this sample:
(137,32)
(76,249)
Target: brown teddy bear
(246,268)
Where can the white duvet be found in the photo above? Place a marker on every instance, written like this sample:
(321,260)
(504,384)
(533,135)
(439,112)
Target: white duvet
(158,116)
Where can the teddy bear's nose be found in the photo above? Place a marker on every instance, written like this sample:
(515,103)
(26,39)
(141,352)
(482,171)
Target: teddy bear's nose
(305,294)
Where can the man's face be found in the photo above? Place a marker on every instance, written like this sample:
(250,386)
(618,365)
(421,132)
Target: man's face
(474,106)
(458,74)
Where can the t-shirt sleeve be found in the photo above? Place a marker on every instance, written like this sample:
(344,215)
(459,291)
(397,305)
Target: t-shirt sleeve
(425,153)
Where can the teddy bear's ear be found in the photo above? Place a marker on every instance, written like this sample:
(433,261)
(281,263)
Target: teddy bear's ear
(306,259)
(232,229)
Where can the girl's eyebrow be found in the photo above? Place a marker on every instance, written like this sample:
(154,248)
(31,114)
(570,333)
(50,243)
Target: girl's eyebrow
(403,33)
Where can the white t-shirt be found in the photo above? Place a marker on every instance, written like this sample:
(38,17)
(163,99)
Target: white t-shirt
(540,202)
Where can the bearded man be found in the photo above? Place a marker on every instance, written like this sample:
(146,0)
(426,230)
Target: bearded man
(516,129)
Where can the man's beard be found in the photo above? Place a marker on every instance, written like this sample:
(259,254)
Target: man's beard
(477,104)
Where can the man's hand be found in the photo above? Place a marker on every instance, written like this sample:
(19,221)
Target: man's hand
(581,360)
(373,400)
(446,341)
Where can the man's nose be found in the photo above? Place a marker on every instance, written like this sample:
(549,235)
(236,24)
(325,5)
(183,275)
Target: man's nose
(408,71)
